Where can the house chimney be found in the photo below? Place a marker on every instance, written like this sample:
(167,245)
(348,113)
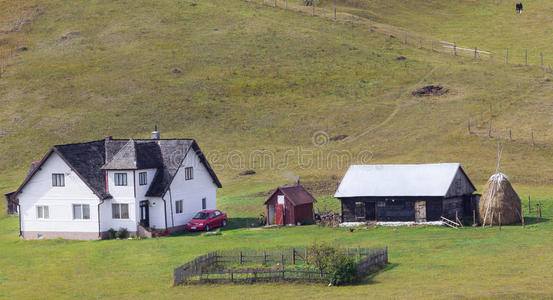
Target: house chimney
(155,133)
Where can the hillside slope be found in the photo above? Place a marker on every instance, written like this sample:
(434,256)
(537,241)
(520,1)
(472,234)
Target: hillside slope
(241,77)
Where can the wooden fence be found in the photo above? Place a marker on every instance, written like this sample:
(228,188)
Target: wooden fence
(507,56)
(213,267)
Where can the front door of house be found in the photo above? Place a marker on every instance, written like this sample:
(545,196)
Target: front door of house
(144,213)
(420,211)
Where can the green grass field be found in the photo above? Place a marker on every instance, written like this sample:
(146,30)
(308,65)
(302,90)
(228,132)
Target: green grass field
(255,79)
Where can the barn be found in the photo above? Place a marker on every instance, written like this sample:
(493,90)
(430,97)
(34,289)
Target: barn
(290,204)
(415,192)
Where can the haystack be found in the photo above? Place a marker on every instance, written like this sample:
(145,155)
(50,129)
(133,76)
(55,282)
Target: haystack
(499,200)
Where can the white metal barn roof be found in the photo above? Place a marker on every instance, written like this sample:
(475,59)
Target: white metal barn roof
(397,180)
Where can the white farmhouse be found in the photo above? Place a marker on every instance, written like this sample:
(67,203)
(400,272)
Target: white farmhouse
(80,191)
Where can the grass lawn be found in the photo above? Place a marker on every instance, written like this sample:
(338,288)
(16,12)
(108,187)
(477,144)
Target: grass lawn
(244,78)
(429,262)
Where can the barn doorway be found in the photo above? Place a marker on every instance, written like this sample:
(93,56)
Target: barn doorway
(420,211)
(360,213)
(370,211)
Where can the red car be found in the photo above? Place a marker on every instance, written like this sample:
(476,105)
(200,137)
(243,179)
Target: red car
(207,220)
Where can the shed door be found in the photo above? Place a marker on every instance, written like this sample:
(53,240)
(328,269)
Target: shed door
(420,211)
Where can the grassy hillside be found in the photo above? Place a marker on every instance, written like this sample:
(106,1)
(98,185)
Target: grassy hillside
(490,25)
(253,77)
(263,88)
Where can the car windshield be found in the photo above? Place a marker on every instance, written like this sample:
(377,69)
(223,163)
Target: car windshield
(201,216)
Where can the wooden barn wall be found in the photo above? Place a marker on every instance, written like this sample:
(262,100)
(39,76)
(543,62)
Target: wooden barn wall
(451,206)
(401,209)
(460,185)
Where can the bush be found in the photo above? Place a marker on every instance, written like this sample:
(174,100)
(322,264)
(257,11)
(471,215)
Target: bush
(325,258)
(343,270)
(121,233)
(111,233)
(321,256)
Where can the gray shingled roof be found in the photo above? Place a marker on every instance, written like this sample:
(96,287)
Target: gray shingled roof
(90,160)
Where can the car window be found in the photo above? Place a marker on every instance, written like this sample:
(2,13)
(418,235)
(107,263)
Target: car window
(212,215)
(217,213)
(201,216)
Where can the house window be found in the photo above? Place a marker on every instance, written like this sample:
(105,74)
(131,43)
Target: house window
(119,211)
(120,179)
(178,206)
(42,212)
(204,203)
(81,211)
(142,178)
(58,180)
(188,173)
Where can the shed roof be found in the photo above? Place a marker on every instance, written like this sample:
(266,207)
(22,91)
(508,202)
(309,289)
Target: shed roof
(398,180)
(297,194)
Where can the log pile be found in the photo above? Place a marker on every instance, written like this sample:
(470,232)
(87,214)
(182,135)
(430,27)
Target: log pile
(328,218)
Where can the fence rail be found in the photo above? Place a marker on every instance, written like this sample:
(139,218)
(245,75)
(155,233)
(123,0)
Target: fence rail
(405,37)
(217,266)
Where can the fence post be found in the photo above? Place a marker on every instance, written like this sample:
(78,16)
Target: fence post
(231,276)
(420,43)
(282,259)
(405,37)
(370,26)
(510,135)
(532,132)
(313,8)
(352,19)
(241,259)
(293,256)
(334,13)
(264,257)
(522,215)
(541,58)
(468,125)
(529,206)
(525,57)
(490,130)
(454,48)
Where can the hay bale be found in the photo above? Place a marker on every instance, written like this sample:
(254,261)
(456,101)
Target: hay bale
(499,197)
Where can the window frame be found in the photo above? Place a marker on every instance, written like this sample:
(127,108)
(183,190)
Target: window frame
(143,178)
(188,173)
(120,179)
(179,206)
(58,179)
(42,212)
(204,203)
(117,211)
(81,211)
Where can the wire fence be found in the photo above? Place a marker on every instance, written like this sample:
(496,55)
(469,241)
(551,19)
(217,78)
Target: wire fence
(228,265)
(403,36)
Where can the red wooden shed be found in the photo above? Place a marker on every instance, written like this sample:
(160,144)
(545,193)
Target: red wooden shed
(290,204)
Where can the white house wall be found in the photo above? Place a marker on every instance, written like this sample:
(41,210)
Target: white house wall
(191,191)
(157,213)
(60,200)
